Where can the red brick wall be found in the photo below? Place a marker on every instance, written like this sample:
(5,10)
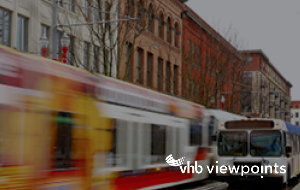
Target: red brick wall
(193,70)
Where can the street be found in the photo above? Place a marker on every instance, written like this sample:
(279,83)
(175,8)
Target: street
(215,185)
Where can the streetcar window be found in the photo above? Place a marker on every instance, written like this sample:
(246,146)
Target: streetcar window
(118,145)
(211,129)
(249,124)
(62,149)
(195,135)
(158,143)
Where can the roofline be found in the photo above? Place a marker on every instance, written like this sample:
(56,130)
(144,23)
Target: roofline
(199,21)
(259,51)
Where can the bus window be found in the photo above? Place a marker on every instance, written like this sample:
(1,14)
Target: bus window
(295,140)
(298,143)
(265,143)
(62,149)
(232,143)
(158,143)
(284,142)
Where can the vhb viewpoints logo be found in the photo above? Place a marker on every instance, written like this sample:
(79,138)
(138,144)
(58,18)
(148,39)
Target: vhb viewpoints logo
(172,162)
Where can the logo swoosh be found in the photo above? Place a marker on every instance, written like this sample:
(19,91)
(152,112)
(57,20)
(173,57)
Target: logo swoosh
(172,162)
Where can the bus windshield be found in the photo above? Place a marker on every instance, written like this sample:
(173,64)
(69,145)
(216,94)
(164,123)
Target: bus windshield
(265,143)
(232,143)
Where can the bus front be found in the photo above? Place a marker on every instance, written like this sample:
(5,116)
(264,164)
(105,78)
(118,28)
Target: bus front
(251,149)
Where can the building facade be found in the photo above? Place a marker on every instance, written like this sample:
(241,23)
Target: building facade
(295,109)
(211,66)
(267,92)
(150,51)
(24,23)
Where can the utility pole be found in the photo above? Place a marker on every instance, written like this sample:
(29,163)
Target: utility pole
(54,30)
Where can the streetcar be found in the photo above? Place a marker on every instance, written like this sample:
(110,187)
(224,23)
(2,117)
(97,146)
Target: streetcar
(64,128)
(268,147)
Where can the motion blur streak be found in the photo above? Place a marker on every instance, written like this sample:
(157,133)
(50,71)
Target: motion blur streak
(64,128)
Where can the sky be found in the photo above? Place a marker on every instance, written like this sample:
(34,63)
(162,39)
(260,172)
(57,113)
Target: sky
(270,25)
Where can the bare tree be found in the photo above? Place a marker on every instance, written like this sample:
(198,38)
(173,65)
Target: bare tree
(218,69)
(99,47)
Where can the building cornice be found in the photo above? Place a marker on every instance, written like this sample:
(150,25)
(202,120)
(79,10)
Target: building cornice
(212,33)
(259,51)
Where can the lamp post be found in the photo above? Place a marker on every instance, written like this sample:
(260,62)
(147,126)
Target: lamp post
(44,44)
(65,42)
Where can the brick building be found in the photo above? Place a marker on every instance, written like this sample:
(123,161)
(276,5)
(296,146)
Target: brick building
(211,66)
(153,59)
(269,94)
(295,109)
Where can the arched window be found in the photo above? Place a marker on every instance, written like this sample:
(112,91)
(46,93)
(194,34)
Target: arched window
(160,25)
(107,9)
(176,35)
(169,30)
(150,19)
(130,8)
(140,8)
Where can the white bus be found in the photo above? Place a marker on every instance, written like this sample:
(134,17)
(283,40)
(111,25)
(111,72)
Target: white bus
(257,149)
(215,118)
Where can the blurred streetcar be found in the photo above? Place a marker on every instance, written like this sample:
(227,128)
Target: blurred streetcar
(268,146)
(63,128)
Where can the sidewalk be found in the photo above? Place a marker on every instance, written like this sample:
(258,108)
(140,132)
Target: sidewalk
(297,187)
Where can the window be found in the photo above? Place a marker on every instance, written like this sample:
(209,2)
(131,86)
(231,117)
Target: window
(297,123)
(194,91)
(60,3)
(140,11)
(71,6)
(22,34)
(158,143)
(193,50)
(168,77)
(96,61)
(86,55)
(176,36)
(297,106)
(249,61)
(150,19)
(59,47)
(139,66)
(199,55)
(45,30)
(5,24)
(169,30)
(96,11)
(198,92)
(297,114)
(87,9)
(260,65)
(71,51)
(130,8)
(129,54)
(175,79)
(160,26)
(116,155)
(189,50)
(159,73)
(195,135)
(62,148)
(107,8)
(149,68)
